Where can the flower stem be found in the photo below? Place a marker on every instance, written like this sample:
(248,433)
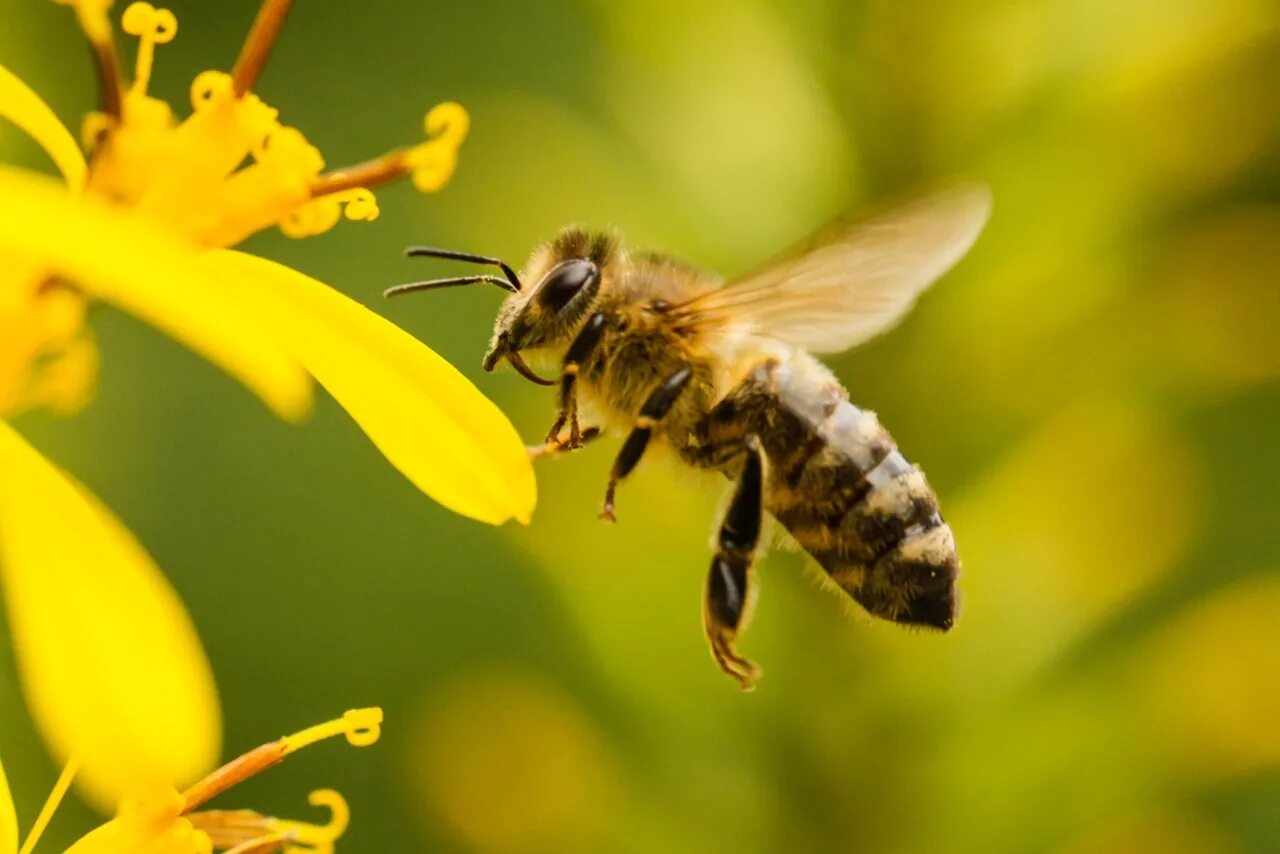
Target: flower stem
(257,47)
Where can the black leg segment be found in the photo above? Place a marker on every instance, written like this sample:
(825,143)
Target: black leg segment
(579,351)
(728,595)
(655,408)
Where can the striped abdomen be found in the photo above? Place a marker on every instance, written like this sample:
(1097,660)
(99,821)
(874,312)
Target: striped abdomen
(839,485)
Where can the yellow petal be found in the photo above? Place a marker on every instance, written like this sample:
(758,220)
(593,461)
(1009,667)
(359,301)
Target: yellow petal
(28,111)
(110,663)
(152,825)
(139,266)
(8,818)
(426,417)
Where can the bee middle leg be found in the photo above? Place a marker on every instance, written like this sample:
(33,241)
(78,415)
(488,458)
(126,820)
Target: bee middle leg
(655,408)
(728,599)
(580,350)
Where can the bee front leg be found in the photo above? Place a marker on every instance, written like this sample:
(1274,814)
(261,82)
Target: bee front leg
(655,408)
(552,447)
(728,601)
(579,351)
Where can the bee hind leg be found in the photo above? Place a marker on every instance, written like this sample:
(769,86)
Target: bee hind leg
(728,601)
(655,408)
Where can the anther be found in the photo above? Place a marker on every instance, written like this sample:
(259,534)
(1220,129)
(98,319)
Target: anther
(320,836)
(430,163)
(152,26)
(362,727)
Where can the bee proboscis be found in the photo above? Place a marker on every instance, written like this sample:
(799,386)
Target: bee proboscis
(723,372)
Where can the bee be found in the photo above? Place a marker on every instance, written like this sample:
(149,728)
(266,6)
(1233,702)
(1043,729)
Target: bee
(724,373)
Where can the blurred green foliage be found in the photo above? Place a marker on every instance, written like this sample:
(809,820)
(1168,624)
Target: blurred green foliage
(1093,392)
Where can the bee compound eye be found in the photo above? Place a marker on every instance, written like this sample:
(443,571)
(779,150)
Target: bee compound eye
(565,281)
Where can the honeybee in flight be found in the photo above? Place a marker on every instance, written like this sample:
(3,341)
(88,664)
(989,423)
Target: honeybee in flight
(723,373)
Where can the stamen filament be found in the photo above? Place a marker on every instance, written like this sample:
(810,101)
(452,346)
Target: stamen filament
(51,803)
(378,172)
(234,772)
(142,67)
(263,844)
(431,163)
(107,65)
(257,46)
(229,828)
(362,727)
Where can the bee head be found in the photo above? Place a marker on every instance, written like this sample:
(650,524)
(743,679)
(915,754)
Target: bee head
(547,304)
(562,280)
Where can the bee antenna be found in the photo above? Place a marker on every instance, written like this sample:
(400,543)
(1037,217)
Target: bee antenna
(454,255)
(448,283)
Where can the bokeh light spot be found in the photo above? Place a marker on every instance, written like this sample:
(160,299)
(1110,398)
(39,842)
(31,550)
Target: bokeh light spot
(1208,682)
(508,762)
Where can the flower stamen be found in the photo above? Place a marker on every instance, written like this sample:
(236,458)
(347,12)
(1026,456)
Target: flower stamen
(92,15)
(318,837)
(110,85)
(268,844)
(247,830)
(431,163)
(362,727)
(236,771)
(152,26)
(229,828)
(377,172)
(257,46)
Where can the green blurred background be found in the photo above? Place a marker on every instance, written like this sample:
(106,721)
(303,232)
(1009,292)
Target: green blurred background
(1093,392)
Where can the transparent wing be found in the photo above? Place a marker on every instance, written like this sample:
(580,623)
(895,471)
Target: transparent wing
(855,280)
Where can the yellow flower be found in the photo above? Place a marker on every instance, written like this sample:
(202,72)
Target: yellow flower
(162,820)
(110,663)
(118,683)
(145,224)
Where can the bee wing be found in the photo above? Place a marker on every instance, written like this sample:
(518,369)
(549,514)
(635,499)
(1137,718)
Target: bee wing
(855,280)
